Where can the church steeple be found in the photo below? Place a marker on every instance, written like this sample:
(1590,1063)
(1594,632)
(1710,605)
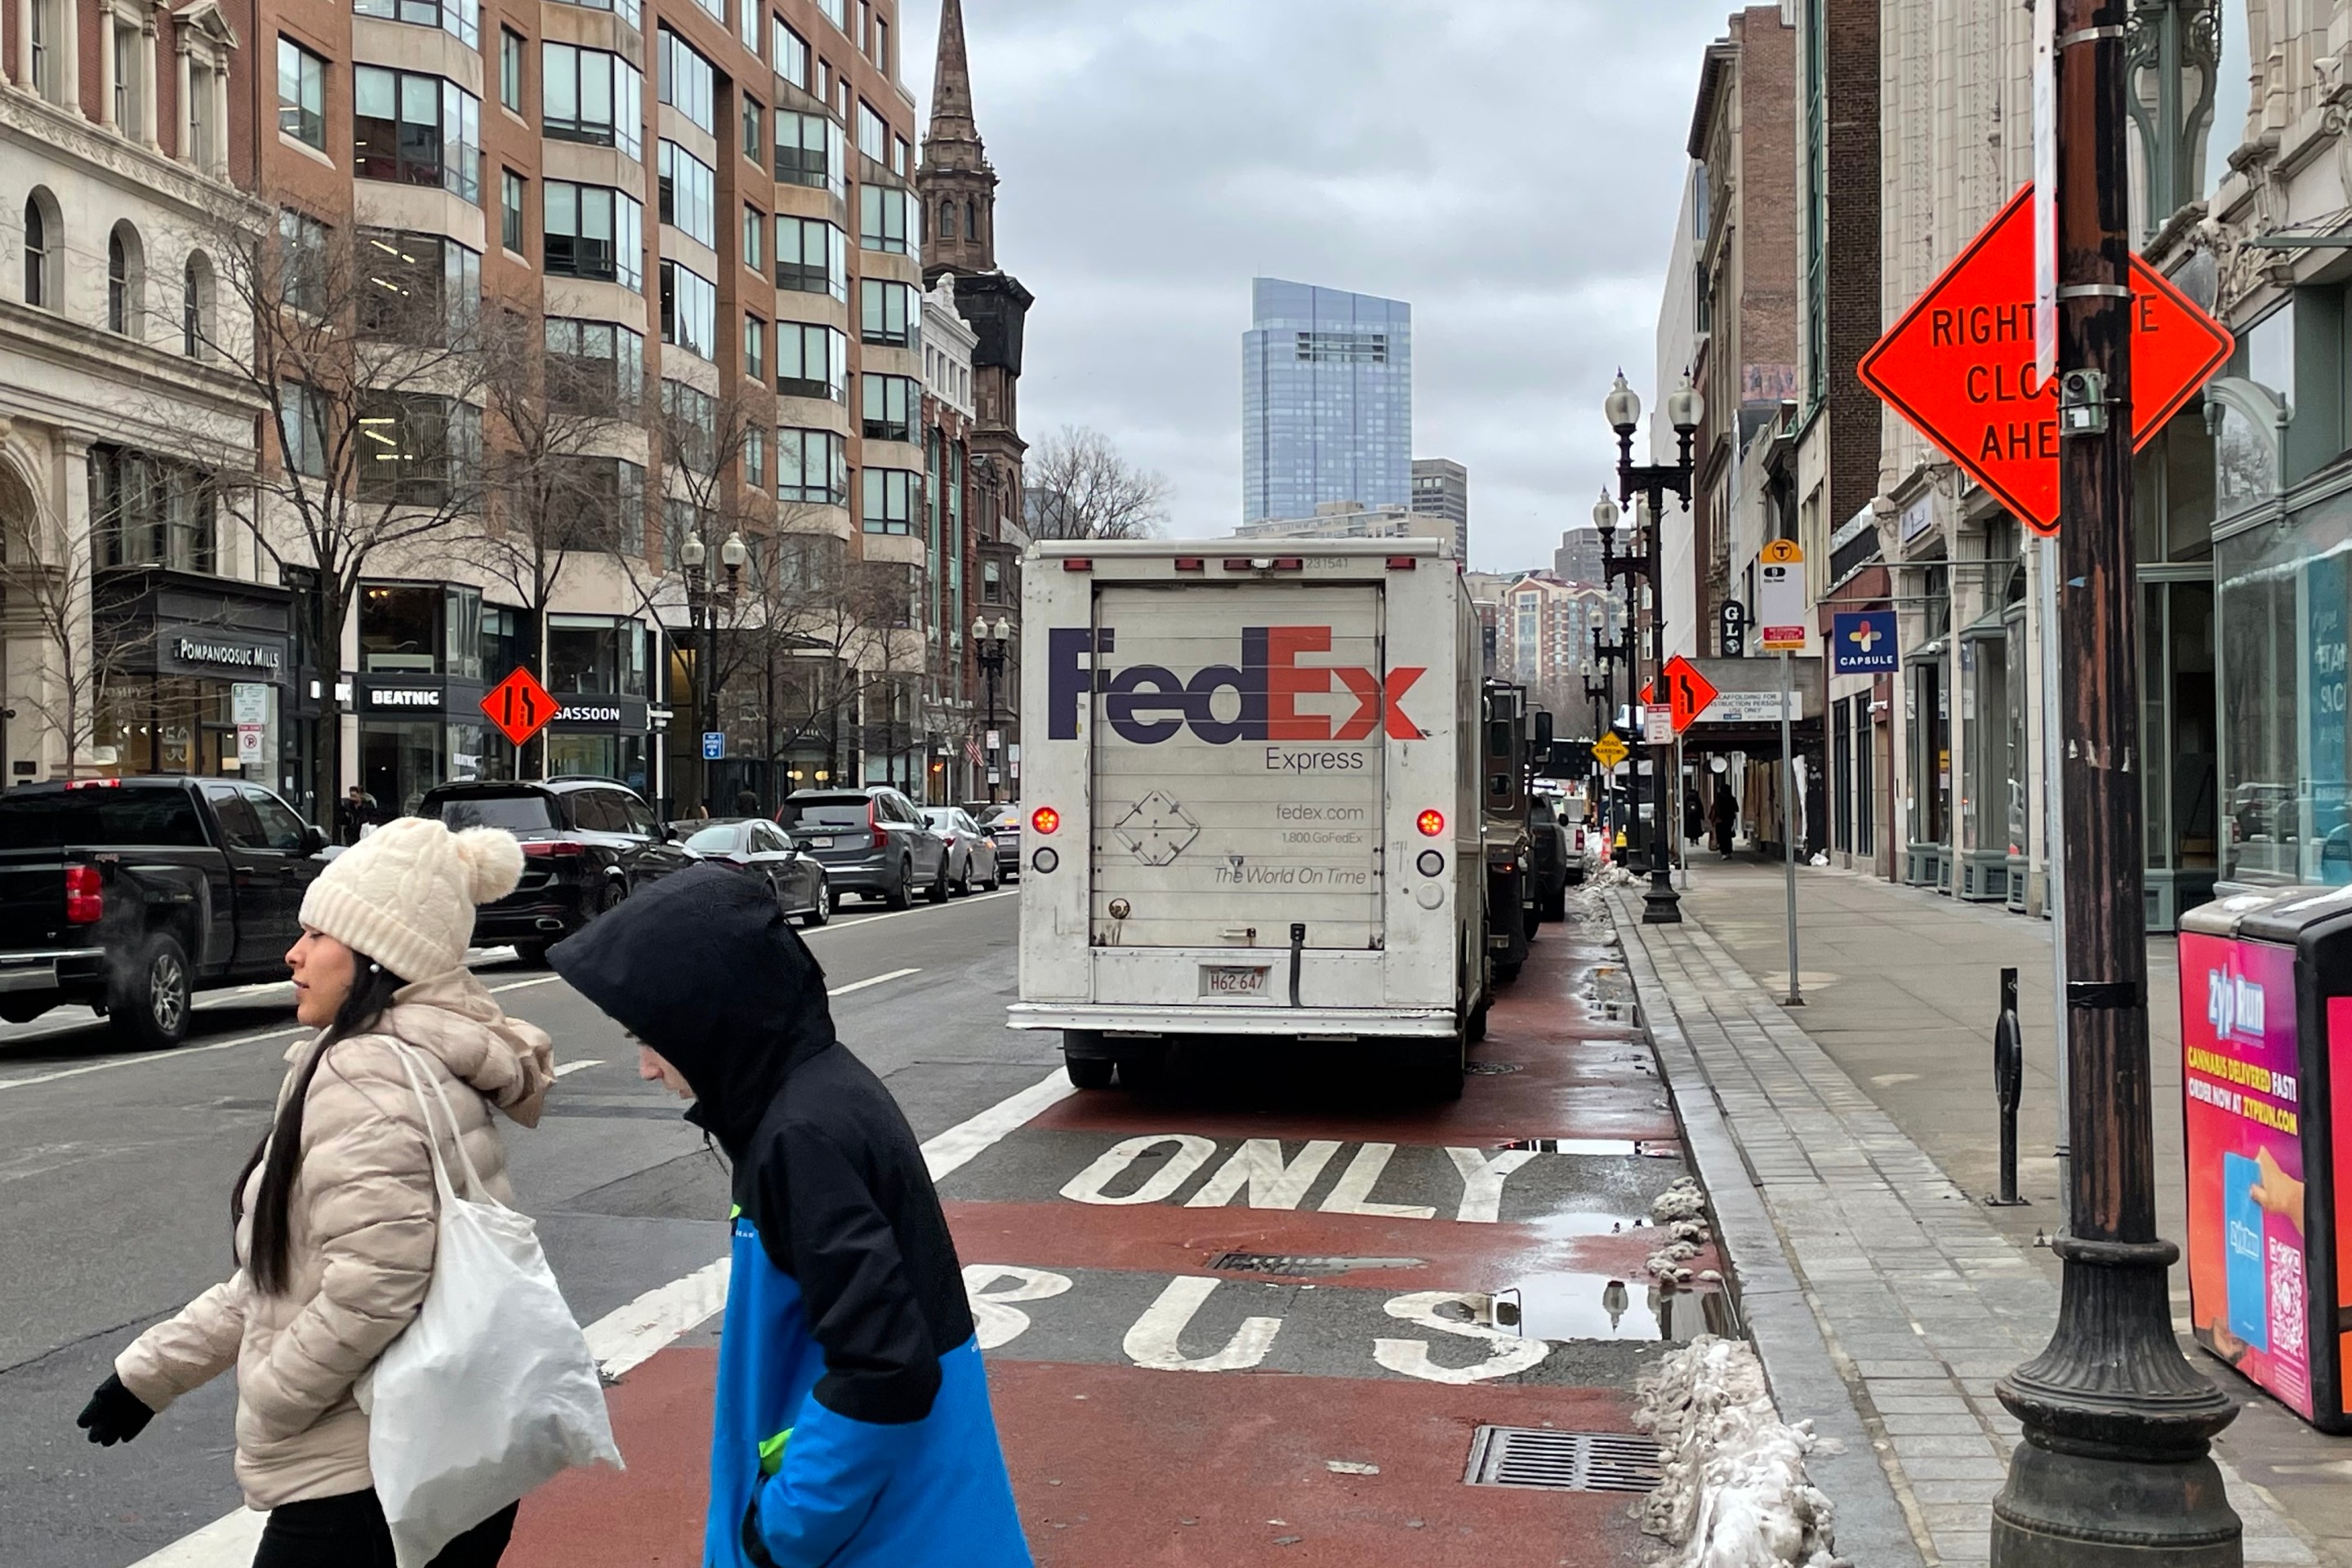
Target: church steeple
(957,185)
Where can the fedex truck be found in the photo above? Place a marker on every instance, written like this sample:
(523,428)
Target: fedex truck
(1251,788)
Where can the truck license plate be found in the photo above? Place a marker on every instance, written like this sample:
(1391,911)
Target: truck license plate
(1233,980)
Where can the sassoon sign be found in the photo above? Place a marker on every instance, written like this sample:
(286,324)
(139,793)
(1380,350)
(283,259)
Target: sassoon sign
(1254,698)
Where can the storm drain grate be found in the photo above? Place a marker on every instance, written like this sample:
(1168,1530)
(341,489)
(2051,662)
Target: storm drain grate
(1291,1263)
(1492,1066)
(1562,1461)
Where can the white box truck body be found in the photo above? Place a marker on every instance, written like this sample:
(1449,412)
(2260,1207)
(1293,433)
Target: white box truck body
(1251,786)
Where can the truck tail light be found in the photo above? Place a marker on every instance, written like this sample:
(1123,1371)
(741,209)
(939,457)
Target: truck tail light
(1400,563)
(1077,563)
(1190,564)
(554,849)
(1044,819)
(85,896)
(1431,821)
(93,783)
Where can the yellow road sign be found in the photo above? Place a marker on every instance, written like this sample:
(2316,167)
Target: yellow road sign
(1609,750)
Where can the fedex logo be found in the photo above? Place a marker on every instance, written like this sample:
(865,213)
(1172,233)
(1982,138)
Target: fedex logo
(1149,703)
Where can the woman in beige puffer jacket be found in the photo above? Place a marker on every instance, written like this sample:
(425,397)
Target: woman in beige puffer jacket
(336,1212)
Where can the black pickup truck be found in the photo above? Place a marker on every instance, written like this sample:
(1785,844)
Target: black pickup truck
(128,895)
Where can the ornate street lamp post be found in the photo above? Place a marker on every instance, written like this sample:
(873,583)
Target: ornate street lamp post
(990,644)
(703,601)
(1651,481)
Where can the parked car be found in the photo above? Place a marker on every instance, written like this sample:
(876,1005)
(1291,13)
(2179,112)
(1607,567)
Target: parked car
(587,844)
(1553,858)
(758,847)
(129,895)
(1001,819)
(873,841)
(971,853)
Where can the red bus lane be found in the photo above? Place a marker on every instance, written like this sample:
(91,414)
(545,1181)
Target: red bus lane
(1229,1325)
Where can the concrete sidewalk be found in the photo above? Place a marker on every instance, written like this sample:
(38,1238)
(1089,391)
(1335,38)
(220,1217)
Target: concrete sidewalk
(1867,1125)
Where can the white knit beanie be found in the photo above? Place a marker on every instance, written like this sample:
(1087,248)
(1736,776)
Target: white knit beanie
(405,895)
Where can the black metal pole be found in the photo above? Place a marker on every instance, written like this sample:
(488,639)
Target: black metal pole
(2115,1466)
(1660,905)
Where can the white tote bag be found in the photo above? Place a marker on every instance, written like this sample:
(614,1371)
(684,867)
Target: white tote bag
(491,1390)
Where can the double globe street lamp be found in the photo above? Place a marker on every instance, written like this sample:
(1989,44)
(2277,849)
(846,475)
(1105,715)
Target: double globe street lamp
(990,647)
(1649,482)
(703,599)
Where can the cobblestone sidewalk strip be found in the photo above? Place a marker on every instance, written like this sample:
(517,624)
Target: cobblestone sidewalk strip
(1918,1302)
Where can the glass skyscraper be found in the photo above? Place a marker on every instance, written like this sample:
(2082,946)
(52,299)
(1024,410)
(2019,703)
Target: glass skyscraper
(1327,400)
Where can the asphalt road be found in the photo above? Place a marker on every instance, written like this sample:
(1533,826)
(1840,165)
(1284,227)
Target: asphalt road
(115,1169)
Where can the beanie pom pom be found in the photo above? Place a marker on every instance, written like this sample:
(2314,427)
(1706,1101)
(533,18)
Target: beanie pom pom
(493,862)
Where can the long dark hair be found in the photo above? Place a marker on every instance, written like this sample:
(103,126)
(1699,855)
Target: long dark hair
(266,1262)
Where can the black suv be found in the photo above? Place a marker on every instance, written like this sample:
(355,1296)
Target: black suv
(587,843)
(128,895)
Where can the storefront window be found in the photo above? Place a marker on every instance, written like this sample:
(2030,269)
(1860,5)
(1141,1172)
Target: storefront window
(2282,604)
(1931,755)
(400,759)
(1984,698)
(502,641)
(400,629)
(462,631)
(603,656)
(167,725)
(582,755)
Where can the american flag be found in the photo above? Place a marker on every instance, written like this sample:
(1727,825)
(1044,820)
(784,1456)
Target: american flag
(971,750)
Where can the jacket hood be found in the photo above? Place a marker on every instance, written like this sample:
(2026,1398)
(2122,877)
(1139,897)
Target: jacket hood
(507,1061)
(703,967)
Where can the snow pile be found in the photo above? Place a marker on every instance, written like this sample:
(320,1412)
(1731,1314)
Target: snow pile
(1681,1210)
(1734,1493)
(1612,876)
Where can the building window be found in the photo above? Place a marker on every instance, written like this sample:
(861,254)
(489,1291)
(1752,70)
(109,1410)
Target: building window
(149,513)
(689,193)
(196,305)
(812,256)
(887,312)
(689,309)
(889,500)
(882,44)
(124,281)
(837,13)
(510,68)
(416,287)
(416,449)
(812,467)
(627,10)
(755,238)
(755,349)
(301,94)
(992,585)
(812,361)
(589,95)
(755,457)
(43,17)
(792,52)
(603,505)
(302,262)
(882,212)
(809,152)
(417,130)
(462,19)
(687,82)
(873,137)
(890,405)
(511,210)
(302,428)
(902,157)
(690,425)
(594,232)
(133,57)
(594,365)
(948,219)
(755,143)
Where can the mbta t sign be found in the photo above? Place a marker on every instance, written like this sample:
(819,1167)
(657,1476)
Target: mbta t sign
(1960,366)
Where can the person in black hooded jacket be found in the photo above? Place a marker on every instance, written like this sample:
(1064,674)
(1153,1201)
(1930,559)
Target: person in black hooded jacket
(851,1424)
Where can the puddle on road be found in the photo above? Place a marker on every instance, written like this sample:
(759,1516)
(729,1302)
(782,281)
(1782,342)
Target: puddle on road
(1569,1307)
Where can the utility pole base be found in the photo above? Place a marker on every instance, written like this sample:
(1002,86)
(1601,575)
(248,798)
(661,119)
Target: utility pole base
(2075,1510)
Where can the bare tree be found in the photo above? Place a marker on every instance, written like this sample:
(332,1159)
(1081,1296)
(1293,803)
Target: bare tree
(1081,487)
(45,585)
(367,349)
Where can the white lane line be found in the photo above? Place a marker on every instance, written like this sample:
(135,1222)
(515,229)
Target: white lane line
(568,1068)
(874,979)
(629,1336)
(844,921)
(519,984)
(32,1079)
(960,1144)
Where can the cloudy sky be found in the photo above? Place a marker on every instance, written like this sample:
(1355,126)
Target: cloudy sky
(1511,167)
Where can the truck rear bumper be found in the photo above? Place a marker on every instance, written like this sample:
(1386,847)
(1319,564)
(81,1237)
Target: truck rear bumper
(1388,1023)
(62,969)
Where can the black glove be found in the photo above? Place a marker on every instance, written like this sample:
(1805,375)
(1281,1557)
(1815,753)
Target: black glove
(114,1414)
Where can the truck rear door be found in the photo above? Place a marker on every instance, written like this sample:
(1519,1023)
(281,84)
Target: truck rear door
(32,871)
(1237,765)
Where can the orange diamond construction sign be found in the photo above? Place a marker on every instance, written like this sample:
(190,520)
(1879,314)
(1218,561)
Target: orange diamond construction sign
(1960,366)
